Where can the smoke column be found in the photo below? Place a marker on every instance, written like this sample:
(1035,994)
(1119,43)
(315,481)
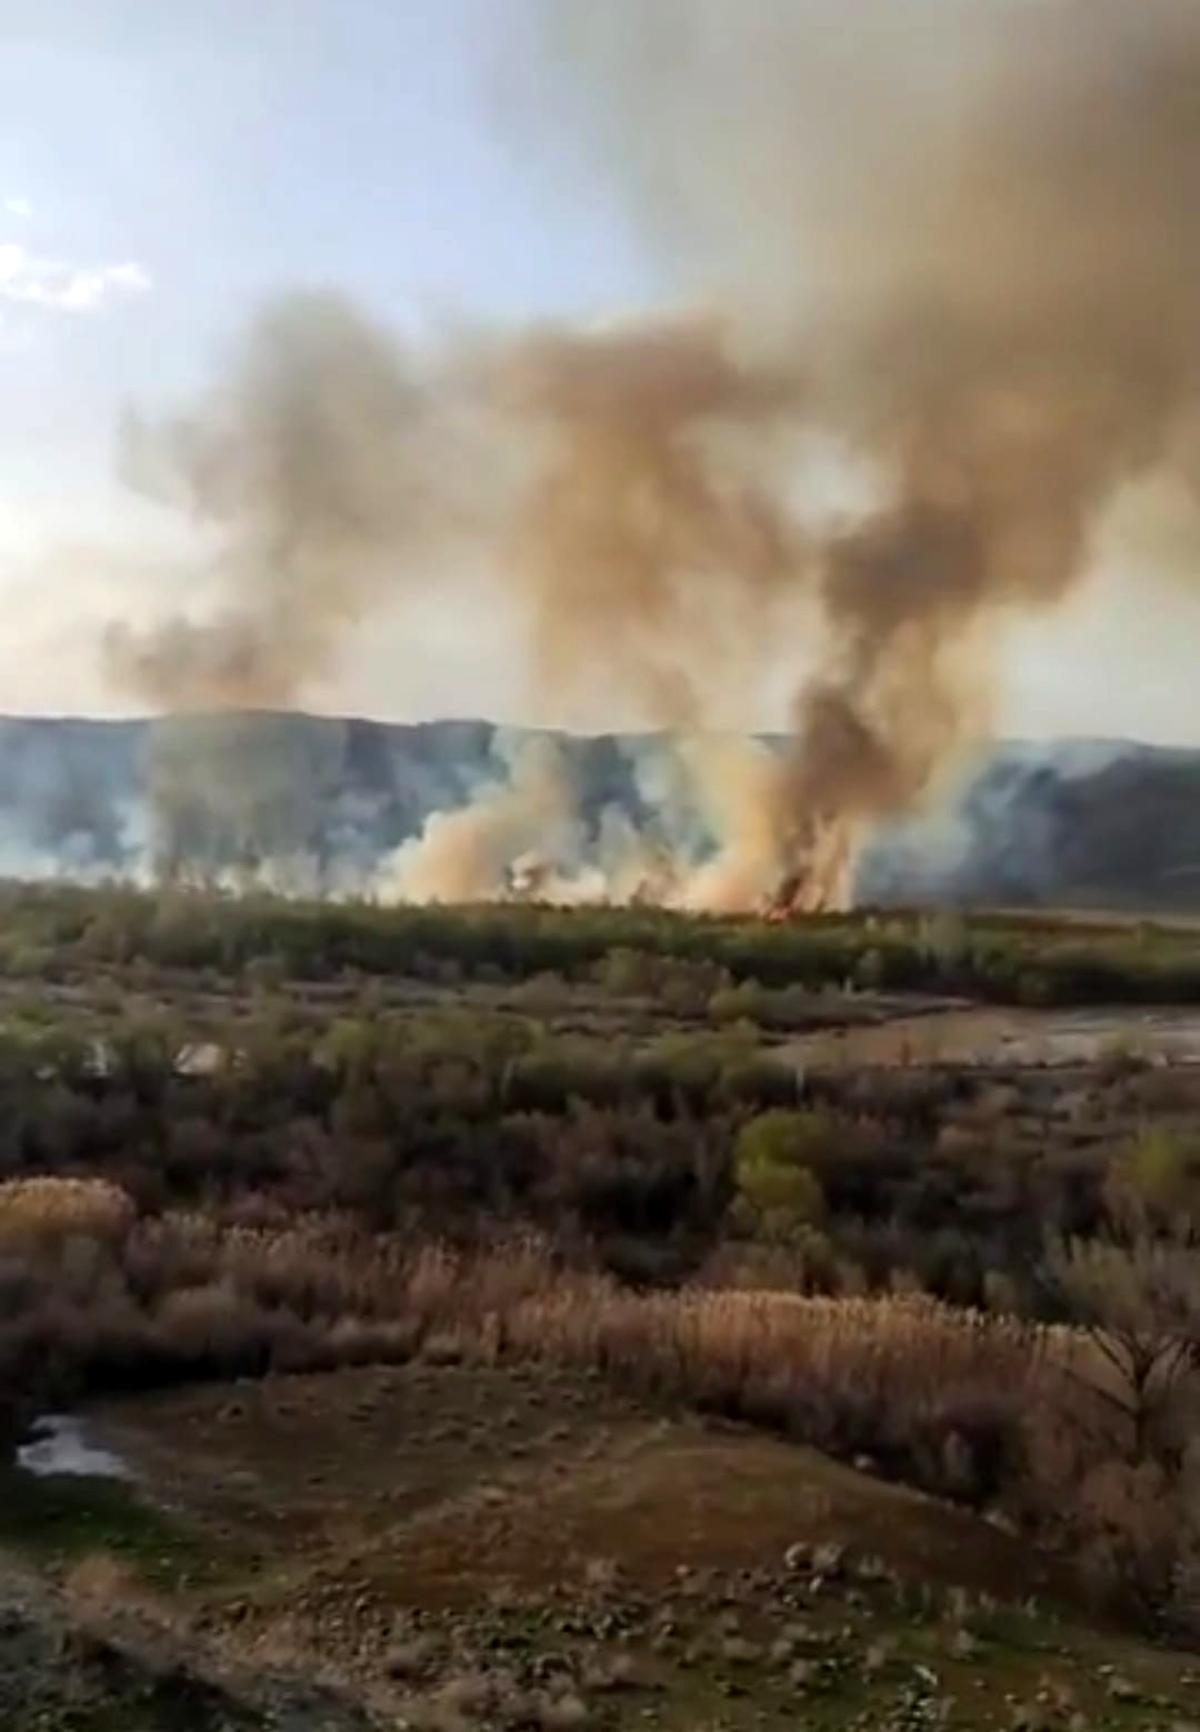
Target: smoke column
(637,543)
(970,229)
(516,836)
(955,239)
(314,470)
(317,479)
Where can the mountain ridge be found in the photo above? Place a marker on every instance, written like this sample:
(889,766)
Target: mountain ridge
(1109,822)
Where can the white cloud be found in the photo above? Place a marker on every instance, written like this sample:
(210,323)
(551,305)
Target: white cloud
(19,207)
(27,278)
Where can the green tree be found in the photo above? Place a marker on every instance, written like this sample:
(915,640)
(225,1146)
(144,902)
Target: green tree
(778,1192)
(1154,1184)
(733,1004)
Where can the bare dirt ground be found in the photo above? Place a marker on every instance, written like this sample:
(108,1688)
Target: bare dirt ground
(832,1028)
(987,1038)
(443,1482)
(455,1547)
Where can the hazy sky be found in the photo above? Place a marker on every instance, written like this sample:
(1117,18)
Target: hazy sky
(167,164)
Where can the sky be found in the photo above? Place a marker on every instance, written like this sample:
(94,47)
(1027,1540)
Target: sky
(164,169)
(167,165)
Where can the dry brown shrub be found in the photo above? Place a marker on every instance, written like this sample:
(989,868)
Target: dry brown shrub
(750,1266)
(940,1393)
(222,1332)
(40,1215)
(1167,1089)
(1130,1533)
(969,1405)
(98,1582)
(961,1141)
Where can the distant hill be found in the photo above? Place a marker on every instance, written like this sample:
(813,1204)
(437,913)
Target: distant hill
(1084,823)
(1088,824)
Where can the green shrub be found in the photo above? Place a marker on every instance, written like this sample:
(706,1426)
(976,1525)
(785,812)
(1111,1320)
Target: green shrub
(776,1186)
(745,1003)
(1155,1180)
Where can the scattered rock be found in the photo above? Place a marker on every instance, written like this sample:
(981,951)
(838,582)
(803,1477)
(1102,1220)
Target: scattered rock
(828,1561)
(877,1657)
(407,1661)
(561,1714)
(468,1696)
(736,1651)
(610,1673)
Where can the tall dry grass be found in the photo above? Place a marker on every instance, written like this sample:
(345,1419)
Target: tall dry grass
(40,1214)
(922,1388)
(961,1404)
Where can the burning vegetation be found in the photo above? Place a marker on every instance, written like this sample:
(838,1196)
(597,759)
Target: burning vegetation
(955,262)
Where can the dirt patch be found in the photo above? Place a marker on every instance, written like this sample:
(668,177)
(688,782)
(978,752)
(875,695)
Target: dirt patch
(513,1548)
(323,1464)
(429,1486)
(991,1039)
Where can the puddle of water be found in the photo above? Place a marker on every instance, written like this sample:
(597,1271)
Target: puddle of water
(60,1445)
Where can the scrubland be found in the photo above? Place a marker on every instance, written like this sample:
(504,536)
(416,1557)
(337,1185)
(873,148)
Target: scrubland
(287,1144)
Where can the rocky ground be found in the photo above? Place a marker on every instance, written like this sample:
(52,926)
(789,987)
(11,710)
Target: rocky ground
(66,1667)
(448,1548)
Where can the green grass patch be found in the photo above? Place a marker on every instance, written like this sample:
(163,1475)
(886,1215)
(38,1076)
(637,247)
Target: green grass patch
(58,1520)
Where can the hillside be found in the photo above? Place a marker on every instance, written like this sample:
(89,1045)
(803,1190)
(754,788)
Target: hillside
(703,1578)
(324,800)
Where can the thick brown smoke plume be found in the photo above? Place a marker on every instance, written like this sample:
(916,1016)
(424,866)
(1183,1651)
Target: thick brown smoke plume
(320,476)
(955,239)
(505,841)
(969,224)
(315,472)
(648,558)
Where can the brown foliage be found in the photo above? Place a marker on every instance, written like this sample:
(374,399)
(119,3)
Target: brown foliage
(42,1214)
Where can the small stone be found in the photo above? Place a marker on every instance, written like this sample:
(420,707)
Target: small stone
(828,1560)
(470,1695)
(738,1652)
(562,1714)
(407,1660)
